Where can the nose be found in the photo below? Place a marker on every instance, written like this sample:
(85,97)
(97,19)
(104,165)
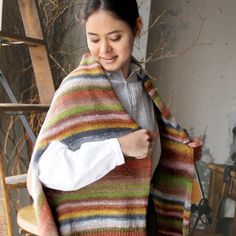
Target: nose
(105,47)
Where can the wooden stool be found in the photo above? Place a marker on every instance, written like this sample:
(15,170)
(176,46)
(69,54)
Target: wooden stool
(196,192)
(27,222)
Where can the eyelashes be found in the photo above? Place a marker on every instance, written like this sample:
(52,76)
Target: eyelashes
(94,40)
(113,39)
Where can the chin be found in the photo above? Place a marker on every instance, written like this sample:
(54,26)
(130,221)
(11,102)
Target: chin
(110,67)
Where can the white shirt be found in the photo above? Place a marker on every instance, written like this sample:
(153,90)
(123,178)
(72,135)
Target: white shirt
(61,169)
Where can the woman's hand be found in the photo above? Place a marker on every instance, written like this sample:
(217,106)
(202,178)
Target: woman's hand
(138,143)
(196,144)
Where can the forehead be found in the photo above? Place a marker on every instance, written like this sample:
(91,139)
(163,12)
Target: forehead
(102,22)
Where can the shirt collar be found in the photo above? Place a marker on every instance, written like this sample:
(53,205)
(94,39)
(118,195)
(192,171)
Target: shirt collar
(135,69)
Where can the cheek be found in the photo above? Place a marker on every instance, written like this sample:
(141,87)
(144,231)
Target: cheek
(93,49)
(127,45)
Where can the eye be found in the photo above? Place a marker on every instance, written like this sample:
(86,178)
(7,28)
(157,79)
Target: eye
(94,40)
(115,38)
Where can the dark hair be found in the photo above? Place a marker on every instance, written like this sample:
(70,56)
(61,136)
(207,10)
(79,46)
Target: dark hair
(125,10)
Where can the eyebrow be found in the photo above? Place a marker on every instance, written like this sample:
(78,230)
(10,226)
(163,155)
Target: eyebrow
(112,32)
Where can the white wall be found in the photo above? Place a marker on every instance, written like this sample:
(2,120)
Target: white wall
(202,80)
(140,48)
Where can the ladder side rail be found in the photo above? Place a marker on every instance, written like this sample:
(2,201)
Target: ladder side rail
(39,55)
(13,100)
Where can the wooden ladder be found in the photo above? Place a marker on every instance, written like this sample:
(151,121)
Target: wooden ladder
(34,39)
(37,48)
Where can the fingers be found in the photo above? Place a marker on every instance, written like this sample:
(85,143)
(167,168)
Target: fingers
(141,157)
(137,144)
(152,135)
(148,139)
(195,142)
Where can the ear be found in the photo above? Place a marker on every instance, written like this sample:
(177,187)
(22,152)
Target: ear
(139,26)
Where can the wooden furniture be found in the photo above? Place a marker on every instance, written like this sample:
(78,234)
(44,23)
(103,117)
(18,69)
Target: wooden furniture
(27,222)
(26,219)
(5,220)
(196,192)
(217,190)
(25,216)
(34,39)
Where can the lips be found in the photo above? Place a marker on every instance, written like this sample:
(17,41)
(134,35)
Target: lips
(108,60)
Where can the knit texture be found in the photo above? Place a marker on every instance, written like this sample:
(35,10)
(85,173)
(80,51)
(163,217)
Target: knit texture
(172,180)
(85,108)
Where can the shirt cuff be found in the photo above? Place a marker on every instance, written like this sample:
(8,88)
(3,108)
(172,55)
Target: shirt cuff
(120,160)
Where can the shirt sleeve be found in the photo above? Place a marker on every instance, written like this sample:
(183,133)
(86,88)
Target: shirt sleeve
(63,169)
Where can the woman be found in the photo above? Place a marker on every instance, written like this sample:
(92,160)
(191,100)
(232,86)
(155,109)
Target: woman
(94,167)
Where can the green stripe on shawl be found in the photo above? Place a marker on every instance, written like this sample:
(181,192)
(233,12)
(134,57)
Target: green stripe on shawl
(83,109)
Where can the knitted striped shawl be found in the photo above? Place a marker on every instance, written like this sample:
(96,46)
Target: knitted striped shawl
(85,108)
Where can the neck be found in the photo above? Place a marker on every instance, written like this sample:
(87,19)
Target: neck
(126,69)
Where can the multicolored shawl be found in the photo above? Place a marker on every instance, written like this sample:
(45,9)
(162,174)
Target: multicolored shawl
(85,108)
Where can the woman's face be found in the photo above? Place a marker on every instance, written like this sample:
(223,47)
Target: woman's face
(110,41)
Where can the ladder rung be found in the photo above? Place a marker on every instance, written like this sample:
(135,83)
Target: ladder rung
(24,107)
(9,38)
(16,181)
